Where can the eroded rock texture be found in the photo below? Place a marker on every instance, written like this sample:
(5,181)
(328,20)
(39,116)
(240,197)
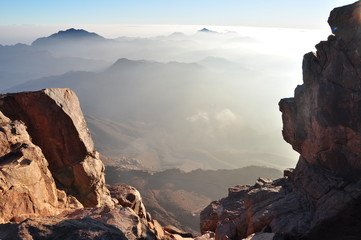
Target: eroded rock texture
(26,185)
(128,196)
(323,121)
(321,198)
(43,186)
(56,124)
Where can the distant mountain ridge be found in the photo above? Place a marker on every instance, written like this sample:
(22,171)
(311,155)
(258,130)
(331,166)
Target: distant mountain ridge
(206,30)
(68,35)
(186,100)
(177,110)
(21,63)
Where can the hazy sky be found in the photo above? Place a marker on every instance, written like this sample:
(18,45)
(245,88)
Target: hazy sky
(275,13)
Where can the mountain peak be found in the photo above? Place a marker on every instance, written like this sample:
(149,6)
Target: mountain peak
(75,33)
(206,30)
(69,34)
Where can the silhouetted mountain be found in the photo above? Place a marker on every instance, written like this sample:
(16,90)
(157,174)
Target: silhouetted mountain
(206,30)
(177,34)
(218,63)
(78,43)
(68,35)
(20,63)
(182,115)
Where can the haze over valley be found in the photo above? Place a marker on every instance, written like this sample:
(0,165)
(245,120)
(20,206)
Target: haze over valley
(169,120)
(202,100)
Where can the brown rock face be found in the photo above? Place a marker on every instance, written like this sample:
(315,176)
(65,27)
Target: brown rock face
(83,224)
(323,121)
(31,200)
(26,185)
(56,124)
(128,196)
(60,228)
(320,199)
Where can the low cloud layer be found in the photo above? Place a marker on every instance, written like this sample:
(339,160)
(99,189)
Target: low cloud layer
(197,99)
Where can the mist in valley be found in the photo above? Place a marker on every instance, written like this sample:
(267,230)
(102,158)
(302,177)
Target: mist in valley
(206,99)
(182,113)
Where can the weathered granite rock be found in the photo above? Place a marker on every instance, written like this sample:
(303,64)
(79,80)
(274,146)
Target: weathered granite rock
(60,228)
(26,186)
(174,230)
(30,199)
(323,121)
(56,124)
(156,228)
(128,196)
(206,236)
(123,218)
(320,198)
(261,236)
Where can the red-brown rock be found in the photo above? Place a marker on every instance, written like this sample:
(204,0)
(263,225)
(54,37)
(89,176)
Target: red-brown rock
(56,124)
(128,196)
(29,191)
(323,121)
(60,228)
(26,186)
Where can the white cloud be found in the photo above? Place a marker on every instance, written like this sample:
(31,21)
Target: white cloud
(199,117)
(226,117)
(216,119)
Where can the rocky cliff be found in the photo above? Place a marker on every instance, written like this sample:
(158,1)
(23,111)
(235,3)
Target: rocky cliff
(49,171)
(56,124)
(320,198)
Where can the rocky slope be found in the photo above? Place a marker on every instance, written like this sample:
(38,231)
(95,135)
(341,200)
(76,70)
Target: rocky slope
(320,198)
(176,197)
(49,171)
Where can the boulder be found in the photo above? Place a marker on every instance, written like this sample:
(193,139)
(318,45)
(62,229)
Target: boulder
(56,124)
(320,198)
(175,231)
(128,196)
(122,218)
(206,236)
(60,228)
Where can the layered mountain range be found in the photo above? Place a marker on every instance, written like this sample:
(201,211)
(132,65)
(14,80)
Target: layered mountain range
(184,105)
(53,184)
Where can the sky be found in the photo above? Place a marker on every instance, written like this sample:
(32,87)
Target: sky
(23,21)
(274,13)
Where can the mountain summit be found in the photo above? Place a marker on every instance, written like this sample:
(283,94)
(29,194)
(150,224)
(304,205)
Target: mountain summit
(69,34)
(206,30)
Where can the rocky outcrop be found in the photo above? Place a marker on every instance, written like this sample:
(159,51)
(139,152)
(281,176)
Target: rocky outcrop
(49,171)
(323,121)
(56,124)
(128,196)
(26,185)
(60,228)
(320,198)
(84,224)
